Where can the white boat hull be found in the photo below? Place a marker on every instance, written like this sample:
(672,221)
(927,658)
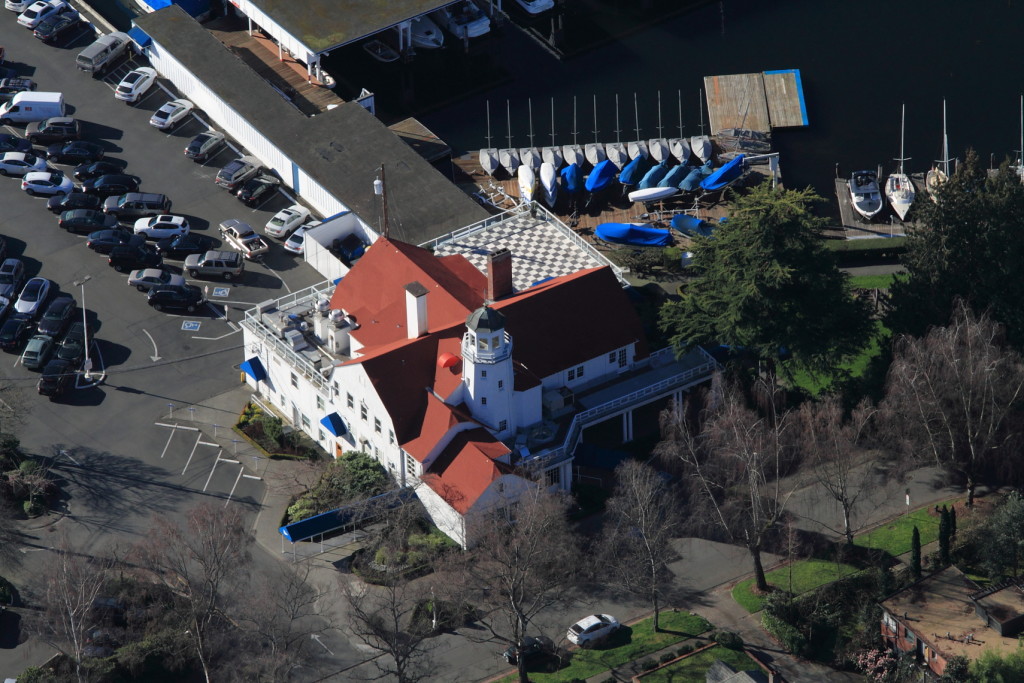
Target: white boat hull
(700,145)
(552,155)
(509,159)
(637,148)
(616,151)
(549,183)
(573,154)
(527,183)
(680,149)
(530,156)
(489,160)
(865,195)
(653,194)
(658,148)
(426,34)
(595,153)
(934,179)
(900,192)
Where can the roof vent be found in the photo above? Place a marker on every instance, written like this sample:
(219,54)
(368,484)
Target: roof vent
(447,360)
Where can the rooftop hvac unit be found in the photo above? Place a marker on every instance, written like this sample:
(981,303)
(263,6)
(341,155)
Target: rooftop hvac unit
(295,340)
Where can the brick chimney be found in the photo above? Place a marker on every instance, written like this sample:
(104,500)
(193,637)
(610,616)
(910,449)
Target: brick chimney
(499,274)
(416,309)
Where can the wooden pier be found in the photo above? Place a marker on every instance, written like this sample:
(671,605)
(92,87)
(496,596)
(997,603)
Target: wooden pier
(756,101)
(886,223)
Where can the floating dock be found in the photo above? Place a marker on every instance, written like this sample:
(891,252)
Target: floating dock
(885,224)
(757,101)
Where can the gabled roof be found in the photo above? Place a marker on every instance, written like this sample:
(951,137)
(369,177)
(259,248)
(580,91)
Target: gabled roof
(466,468)
(438,418)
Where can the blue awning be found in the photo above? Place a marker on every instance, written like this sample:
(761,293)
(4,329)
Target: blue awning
(140,37)
(334,424)
(254,368)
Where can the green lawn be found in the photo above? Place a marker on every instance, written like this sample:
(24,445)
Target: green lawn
(694,667)
(631,642)
(872,281)
(894,537)
(798,577)
(854,367)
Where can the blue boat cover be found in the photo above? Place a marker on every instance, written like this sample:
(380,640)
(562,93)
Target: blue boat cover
(637,234)
(693,178)
(603,173)
(254,368)
(654,176)
(675,176)
(690,226)
(334,424)
(724,176)
(635,170)
(572,177)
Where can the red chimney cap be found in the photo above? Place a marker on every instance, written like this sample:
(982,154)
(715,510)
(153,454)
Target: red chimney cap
(447,360)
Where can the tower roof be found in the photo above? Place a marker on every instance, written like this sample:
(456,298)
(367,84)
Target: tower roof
(485,319)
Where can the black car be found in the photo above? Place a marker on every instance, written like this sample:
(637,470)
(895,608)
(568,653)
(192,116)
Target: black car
(133,257)
(75,152)
(12,278)
(95,169)
(183,245)
(102,241)
(258,189)
(55,129)
(12,143)
(176,297)
(74,200)
(14,332)
(205,145)
(531,649)
(86,220)
(56,377)
(72,346)
(111,184)
(58,316)
(52,29)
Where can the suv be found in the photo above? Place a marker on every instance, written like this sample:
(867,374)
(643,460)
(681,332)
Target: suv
(137,205)
(225,264)
(180,297)
(9,87)
(57,375)
(127,257)
(12,278)
(56,129)
(112,184)
(237,172)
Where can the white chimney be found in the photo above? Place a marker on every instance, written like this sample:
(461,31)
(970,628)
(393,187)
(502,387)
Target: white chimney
(416,309)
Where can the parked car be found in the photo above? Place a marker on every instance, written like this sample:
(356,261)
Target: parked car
(37,352)
(33,297)
(237,172)
(52,29)
(20,163)
(286,220)
(205,145)
(592,630)
(18,6)
(224,264)
(181,246)
(135,84)
(125,257)
(54,129)
(531,649)
(112,184)
(72,346)
(5,309)
(133,205)
(12,143)
(86,221)
(297,239)
(148,278)
(12,278)
(182,298)
(74,200)
(95,169)
(258,189)
(56,378)
(58,316)
(169,115)
(14,332)
(159,227)
(41,10)
(46,183)
(74,152)
(240,236)
(102,241)
(11,86)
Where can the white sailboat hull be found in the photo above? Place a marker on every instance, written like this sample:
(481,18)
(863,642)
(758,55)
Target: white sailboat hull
(549,183)
(509,159)
(552,155)
(658,147)
(530,156)
(594,152)
(573,154)
(527,183)
(900,192)
(680,149)
(616,151)
(637,148)
(700,145)
(489,160)
(652,194)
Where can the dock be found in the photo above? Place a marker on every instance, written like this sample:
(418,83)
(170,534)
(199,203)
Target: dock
(886,223)
(756,101)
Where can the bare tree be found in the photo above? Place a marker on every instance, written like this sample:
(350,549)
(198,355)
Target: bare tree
(201,562)
(830,444)
(641,520)
(735,459)
(523,562)
(953,396)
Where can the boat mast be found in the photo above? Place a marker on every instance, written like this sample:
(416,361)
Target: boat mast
(945,142)
(617,130)
(488,123)
(595,131)
(659,113)
(508,119)
(903,122)
(529,103)
(636,117)
(574,130)
(679,95)
(552,121)
(700,108)
(1020,163)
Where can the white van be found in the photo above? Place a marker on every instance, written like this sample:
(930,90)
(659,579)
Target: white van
(26,107)
(103,52)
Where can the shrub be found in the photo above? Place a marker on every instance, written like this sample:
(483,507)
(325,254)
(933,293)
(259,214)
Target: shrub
(788,635)
(354,476)
(34,674)
(33,508)
(29,467)
(10,452)
(684,650)
(648,664)
(667,657)
(272,427)
(672,257)
(729,639)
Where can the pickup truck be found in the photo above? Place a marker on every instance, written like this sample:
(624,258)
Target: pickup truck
(243,238)
(225,264)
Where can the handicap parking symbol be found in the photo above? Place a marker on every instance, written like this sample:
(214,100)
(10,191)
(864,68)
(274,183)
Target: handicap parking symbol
(221,291)
(190,326)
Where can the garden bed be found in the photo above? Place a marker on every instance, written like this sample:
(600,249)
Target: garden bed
(267,433)
(694,666)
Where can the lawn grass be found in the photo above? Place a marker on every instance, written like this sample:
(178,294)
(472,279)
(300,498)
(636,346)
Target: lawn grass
(873,281)
(894,537)
(694,667)
(629,643)
(798,577)
(852,367)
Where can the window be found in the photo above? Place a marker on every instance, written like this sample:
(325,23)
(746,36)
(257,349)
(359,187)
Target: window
(376,453)
(572,374)
(579,372)
(391,436)
(494,342)
(305,423)
(319,402)
(553,477)
(349,401)
(483,373)
(320,435)
(483,401)
(295,380)
(611,357)
(503,425)
(501,384)
(410,466)
(376,425)
(362,412)
(622,358)
(481,344)
(337,389)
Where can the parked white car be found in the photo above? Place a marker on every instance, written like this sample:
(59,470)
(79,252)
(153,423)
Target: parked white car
(286,220)
(148,278)
(135,84)
(18,6)
(159,227)
(592,630)
(40,10)
(295,243)
(20,163)
(46,183)
(170,114)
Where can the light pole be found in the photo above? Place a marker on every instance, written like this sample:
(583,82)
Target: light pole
(85,326)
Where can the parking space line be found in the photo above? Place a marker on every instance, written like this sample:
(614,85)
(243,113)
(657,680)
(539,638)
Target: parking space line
(168,444)
(199,441)
(176,426)
(241,474)
(223,336)
(212,470)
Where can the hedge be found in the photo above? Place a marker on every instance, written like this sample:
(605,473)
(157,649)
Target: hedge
(882,248)
(788,635)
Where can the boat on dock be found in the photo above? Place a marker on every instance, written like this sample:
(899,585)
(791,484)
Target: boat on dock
(381,51)
(658,148)
(527,183)
(634,234)
(637,149)
(724,176)
(743,140)
(535,6)
(676,175)
(463,20)
(680,149)
(552,155)
(489,160)
(937,176)
(694,177)
(865,195)
(601,177)
(654,176)
(653,194)
(898,188)
(616,151)
(509,159)
(700,146)
(594,152)
(634,171)
(549,184)
(572,179)
(424,33)
(573,155)
(530,156)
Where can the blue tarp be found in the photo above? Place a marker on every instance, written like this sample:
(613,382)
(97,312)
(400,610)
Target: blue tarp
(327,522)
(654,176)
(693,178)
(140,37)
(689,225)
(675,177)
(334,424)
(254,368)
(572,178)
(634,170)
(724,176)
(637,234)
(603,173)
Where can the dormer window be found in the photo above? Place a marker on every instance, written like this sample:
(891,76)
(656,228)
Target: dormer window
(481,343)
(494,342)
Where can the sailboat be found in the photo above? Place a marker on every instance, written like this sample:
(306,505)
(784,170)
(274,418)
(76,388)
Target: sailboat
(937,176)
(700,145)
(553,154)
(616,151)
(509,156)
(530,156)
(549,183)
(573,154)
(527,183)
(637,148)
(680,147)
(898,187)
(594,151)
(489,155)
(658,147)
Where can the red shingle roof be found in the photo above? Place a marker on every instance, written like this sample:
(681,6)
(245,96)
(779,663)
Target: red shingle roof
(466,468)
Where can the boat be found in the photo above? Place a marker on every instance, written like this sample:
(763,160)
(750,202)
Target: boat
(573,155)
(898,187)
(724,176)
(691,226)
(700,146)
(535,6)
(865,194)
(694,177)
(653,194)
(572,178)
(937,176)
(509,159)
(675,176)
(653,176)
(381,51)
(658,148)
(634,234)
(744,140)
(424,33)
(680,149)
(633,171)
(637,149)
(594,152)
(489,155)
(603,174)
(463,20)
(530,156)
(616,151)
(549,183)
(552,155)
(527,183)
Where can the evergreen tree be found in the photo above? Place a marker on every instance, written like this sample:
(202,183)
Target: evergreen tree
(915,554)
(944,536)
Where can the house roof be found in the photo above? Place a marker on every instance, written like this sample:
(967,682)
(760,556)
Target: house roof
(438,418)
(466,468)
